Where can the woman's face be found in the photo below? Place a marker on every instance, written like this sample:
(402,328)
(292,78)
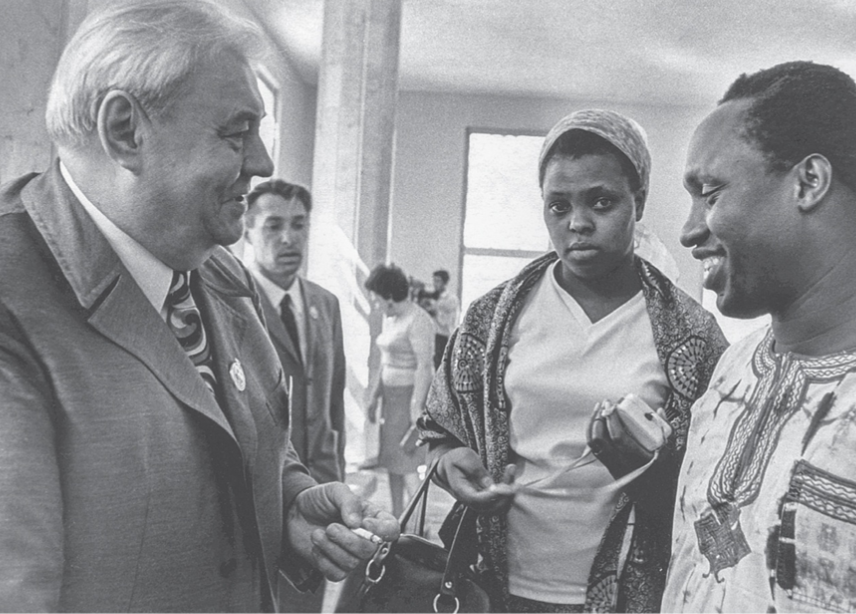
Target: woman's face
(591,214)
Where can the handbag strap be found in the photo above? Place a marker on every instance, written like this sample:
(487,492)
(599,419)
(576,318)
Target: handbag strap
(460,553)
(421,497)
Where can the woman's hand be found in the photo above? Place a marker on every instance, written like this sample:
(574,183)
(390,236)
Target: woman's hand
(371,409)
(461,472)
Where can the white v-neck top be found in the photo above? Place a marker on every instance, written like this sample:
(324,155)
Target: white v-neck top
(561,365)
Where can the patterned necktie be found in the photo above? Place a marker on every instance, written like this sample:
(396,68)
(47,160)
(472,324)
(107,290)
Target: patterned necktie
(290,322)
(185,322)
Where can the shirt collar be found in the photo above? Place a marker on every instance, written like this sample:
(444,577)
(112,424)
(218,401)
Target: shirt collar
(151,275)
(275,293)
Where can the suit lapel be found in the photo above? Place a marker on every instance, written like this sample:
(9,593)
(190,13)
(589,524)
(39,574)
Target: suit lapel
(104,287)
(277,329)
(226,331)
(127,318)
(311,310)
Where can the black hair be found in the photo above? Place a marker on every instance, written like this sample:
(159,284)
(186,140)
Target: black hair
(798,109)
(578,143)
(442,274)
(389,282)
(280,188)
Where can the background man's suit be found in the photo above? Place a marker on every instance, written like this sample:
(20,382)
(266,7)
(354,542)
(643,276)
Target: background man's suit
(318,412)
(130,488)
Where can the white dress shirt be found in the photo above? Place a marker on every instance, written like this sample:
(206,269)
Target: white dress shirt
(276,293)
(152,276)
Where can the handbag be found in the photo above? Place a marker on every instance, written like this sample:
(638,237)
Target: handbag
(627,435)
(412,574)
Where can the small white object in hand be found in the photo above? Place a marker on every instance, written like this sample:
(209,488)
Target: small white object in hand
(367,535)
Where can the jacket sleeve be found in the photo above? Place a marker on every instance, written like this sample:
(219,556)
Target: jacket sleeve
(302,575)
(31,504)
(337,394)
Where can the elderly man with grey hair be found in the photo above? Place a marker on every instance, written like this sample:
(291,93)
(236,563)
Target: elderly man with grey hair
(145,461)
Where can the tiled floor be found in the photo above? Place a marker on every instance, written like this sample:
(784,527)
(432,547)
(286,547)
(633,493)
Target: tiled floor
(374,485)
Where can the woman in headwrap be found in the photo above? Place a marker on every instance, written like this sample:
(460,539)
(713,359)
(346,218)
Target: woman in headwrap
(523,373)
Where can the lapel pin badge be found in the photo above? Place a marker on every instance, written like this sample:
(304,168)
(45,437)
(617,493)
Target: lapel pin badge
(238,377)
(313,313)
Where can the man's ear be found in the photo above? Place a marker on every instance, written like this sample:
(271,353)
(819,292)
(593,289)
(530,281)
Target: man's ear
(814,179)
(120,120)
(639,197)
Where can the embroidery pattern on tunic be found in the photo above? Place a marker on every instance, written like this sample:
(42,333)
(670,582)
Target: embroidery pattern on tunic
(736,481)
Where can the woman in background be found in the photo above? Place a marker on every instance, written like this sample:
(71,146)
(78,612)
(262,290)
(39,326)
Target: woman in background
(523,373)
(406,345)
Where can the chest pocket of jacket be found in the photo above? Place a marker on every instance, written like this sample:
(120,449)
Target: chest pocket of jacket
(279,403)
(814,547)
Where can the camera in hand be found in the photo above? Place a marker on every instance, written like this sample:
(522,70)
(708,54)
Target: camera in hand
(626,435)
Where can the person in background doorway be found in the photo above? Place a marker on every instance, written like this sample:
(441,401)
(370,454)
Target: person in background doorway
(397,396)
(766,515)
(306,329)
(533,357)
(446,311)
(144,455)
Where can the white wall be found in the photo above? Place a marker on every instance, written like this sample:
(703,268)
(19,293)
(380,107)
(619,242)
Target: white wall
(32,35)
(428,182)
(296,112)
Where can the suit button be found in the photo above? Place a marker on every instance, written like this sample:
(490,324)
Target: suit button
(227,567)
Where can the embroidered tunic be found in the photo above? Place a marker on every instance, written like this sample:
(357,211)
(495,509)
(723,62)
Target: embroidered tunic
(766,513)
(468,404)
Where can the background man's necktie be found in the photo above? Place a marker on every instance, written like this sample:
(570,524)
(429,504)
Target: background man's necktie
(290,322)
(185,322)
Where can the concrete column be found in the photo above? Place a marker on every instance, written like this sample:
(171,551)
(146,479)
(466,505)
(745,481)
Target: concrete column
(355,124)
(32,36)
(351,175)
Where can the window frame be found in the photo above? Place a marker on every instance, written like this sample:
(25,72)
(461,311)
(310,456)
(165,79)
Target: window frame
(464,251)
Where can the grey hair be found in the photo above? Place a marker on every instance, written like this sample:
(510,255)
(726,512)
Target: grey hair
(148,49)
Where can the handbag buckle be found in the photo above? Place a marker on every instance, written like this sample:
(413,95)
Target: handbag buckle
(369,577)
(377,559)
(437,603)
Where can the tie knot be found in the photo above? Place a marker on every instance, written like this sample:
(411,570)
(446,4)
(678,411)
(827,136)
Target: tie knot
(286,302)
(185,321)
(179,288)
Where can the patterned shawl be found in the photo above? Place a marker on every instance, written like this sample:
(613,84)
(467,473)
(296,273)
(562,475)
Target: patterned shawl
(468,405)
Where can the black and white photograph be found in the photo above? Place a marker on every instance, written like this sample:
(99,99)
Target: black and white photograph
(428,306)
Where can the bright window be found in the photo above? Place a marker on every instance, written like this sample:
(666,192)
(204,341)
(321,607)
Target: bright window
(503,227)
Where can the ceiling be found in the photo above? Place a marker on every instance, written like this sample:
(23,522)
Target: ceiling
(632,51)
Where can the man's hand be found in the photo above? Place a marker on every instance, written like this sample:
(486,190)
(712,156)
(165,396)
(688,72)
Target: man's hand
(461,472)
(319,528)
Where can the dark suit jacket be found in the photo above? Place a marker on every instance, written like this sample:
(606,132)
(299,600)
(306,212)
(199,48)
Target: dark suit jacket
(125,486)
(318,388)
